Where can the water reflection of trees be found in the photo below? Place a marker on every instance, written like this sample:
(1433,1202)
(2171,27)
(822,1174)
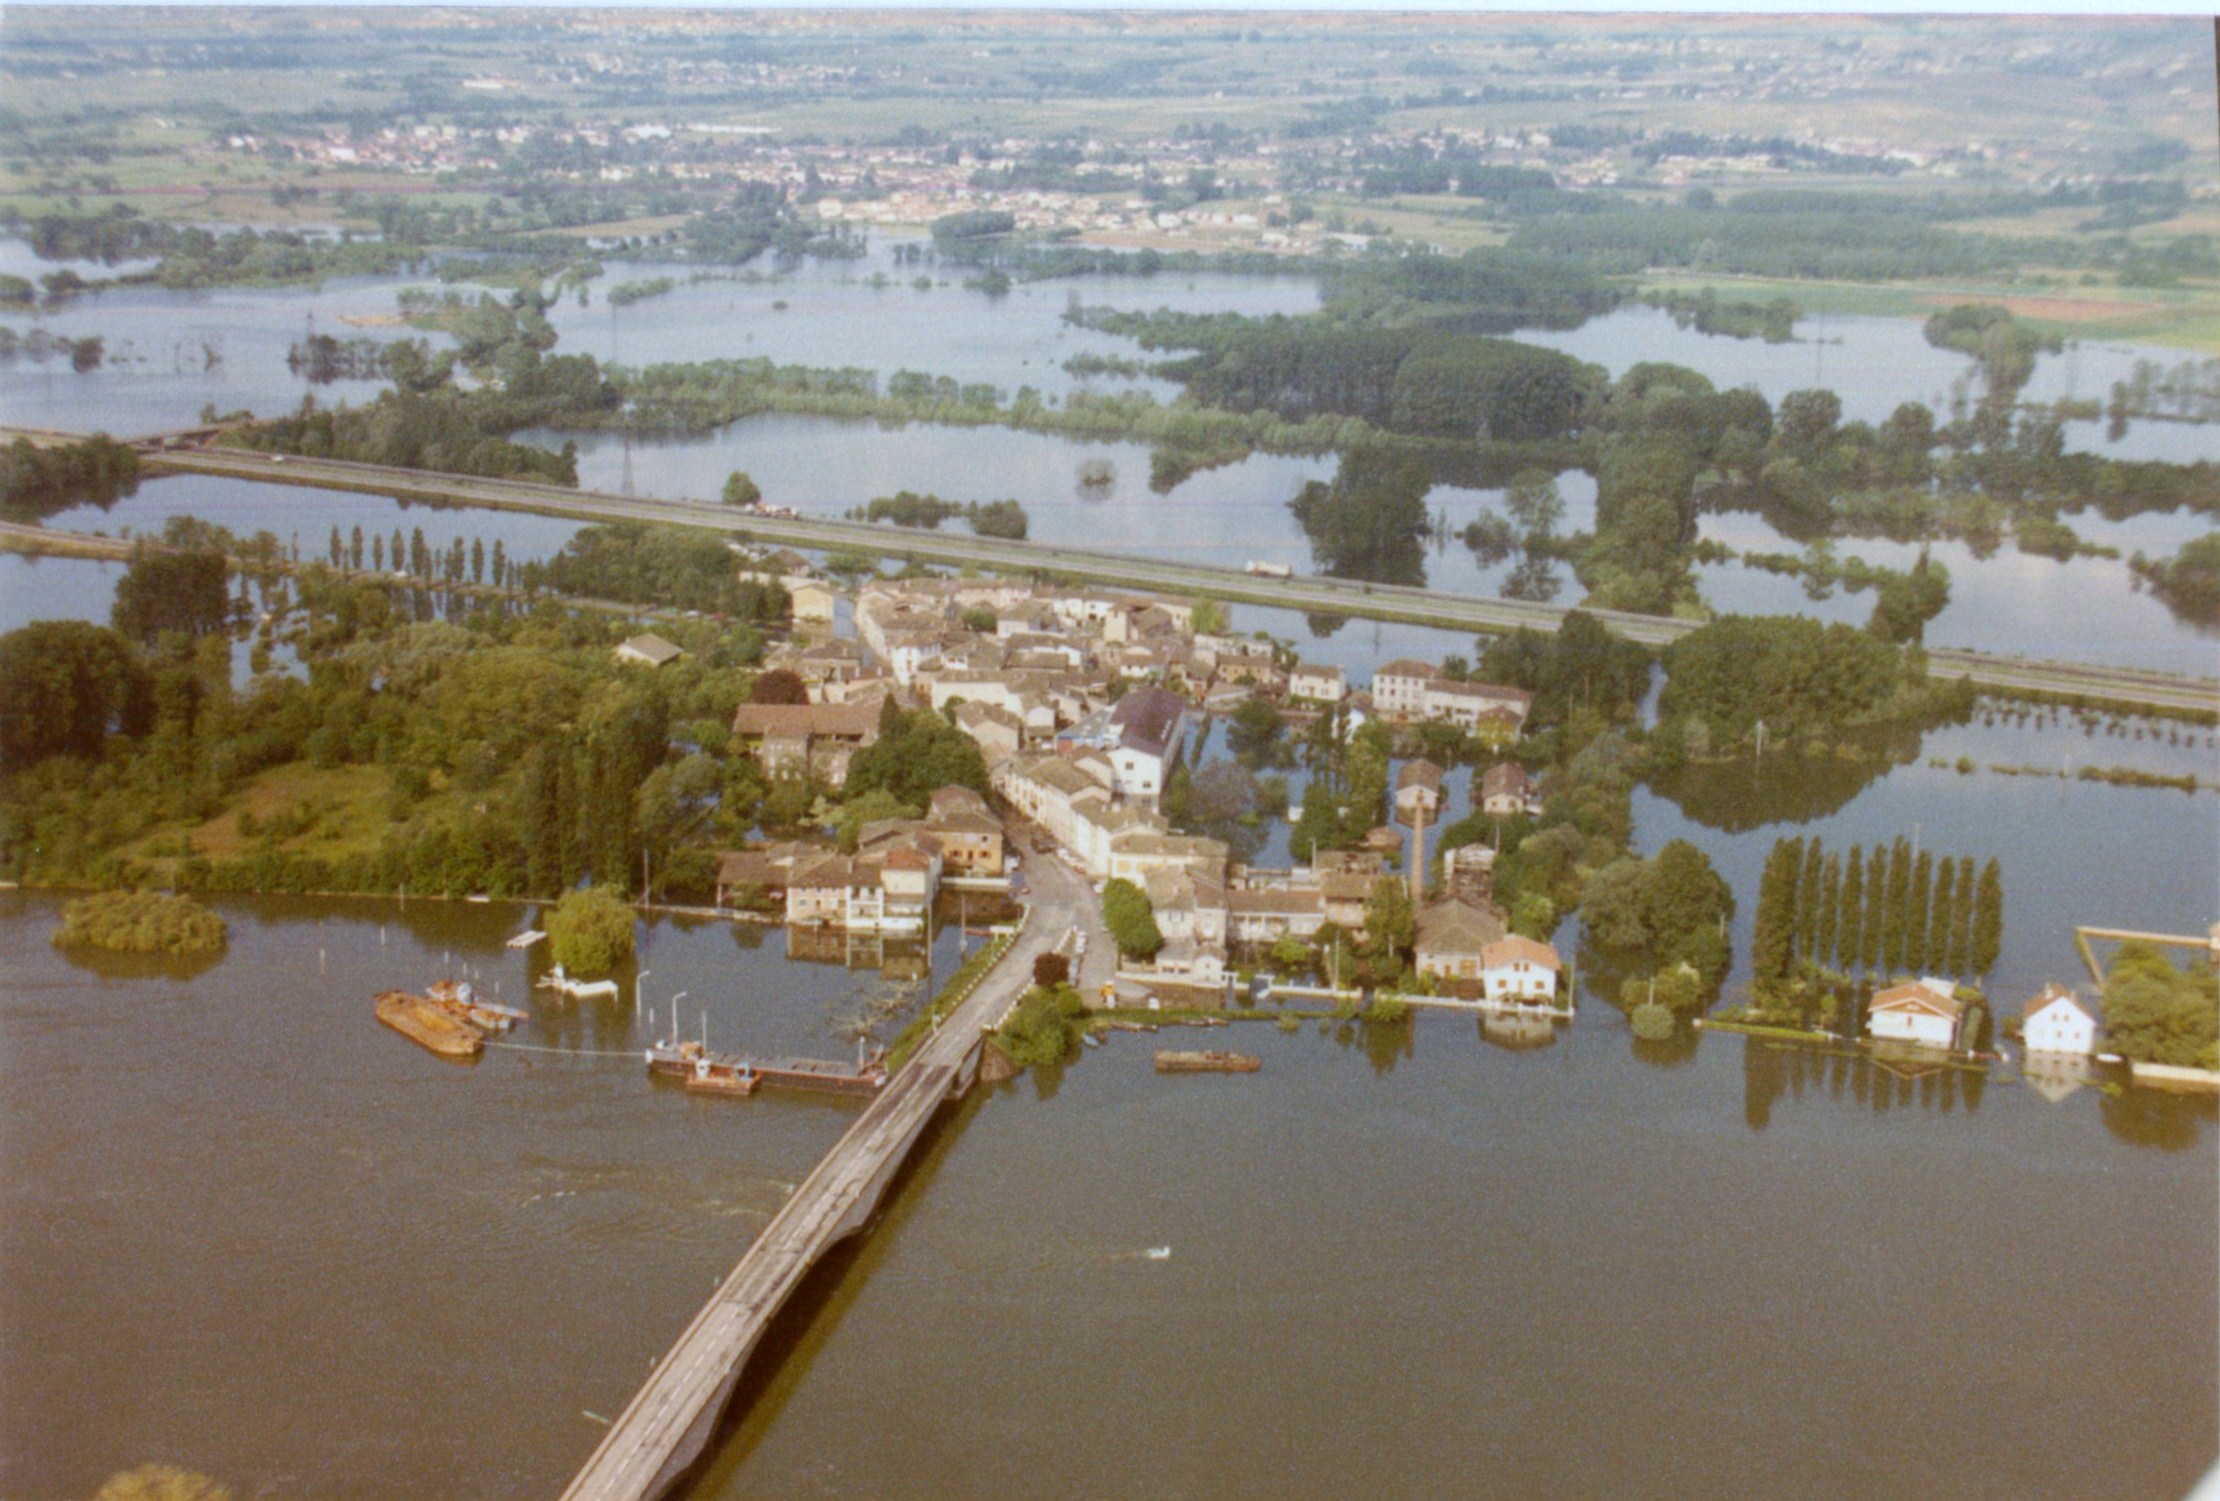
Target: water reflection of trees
(1738,796)
(110,965)
(1879,1082)
(1676,1051)
(1534,580)
(1370,522)
(2154,1118)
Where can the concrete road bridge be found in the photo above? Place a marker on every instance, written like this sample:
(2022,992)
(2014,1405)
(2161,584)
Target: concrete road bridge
(667,1425)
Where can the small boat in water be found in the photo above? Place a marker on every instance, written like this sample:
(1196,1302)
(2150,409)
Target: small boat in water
(578,990)
(460,1000)
(429,1025)
(716,1074)
(1172,1061)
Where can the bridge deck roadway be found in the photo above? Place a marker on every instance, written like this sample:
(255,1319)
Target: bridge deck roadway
(664,1428)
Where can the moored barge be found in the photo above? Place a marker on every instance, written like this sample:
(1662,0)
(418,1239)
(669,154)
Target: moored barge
(696,1067)
(1173,1061)
(429,1025)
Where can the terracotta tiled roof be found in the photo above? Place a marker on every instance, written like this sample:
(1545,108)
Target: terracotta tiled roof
(1918,996)
(852,721)
(1514,949)
(1458,928)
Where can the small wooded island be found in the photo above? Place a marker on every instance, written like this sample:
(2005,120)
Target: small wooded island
(141,922)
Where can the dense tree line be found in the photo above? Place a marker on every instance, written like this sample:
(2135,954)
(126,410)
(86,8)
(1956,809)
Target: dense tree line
(1809,685)
(2156,1013)
(995,518)
(917,753)
(182,592)
(509,753)
(633,563)
(2189,582)
(1890,911)
(1367,522)
(1667,912)
(36,481)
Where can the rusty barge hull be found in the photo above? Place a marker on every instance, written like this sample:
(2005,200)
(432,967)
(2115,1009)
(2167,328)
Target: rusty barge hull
(429,1026)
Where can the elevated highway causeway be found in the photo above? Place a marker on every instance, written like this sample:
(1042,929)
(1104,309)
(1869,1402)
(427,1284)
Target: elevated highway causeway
(1317,594)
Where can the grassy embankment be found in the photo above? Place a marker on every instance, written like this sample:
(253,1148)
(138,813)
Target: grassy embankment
(297,809)
(958,990)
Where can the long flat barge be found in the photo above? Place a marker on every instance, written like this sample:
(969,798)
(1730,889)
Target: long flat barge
(695,1065)
(1172,1061)
(429,1025)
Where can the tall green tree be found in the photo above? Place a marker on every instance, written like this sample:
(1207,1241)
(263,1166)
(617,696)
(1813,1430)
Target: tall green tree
(1773,940)
(1915,913)
(173,591)
(1390,927)
(1961,918)
(544,822)
(1130,919)
(1938,921)
(1829,912)
(1850,924)
(65,687)
(1876,908)
(1807,900)
(1988,920)
(1897,914)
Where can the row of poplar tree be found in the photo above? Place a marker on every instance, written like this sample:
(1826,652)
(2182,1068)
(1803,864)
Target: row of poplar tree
(1887,910)
(411,554)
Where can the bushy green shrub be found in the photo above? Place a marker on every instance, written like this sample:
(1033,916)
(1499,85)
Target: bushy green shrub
(591,932)
(141,922)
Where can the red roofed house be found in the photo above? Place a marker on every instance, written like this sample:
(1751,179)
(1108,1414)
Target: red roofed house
(1519,969)
(1923,1011)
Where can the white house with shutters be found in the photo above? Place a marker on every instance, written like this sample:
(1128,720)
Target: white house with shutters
(1925,1011)
(2056,1022)
(1519,969)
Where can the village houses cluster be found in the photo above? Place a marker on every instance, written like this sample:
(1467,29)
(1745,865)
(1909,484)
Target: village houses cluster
(1082,704)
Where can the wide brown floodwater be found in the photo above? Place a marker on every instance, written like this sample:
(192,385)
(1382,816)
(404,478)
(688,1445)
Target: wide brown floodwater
(248,1231)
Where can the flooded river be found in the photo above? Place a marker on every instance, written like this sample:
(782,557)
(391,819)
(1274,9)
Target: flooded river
(1421,1260)
(1594,1268)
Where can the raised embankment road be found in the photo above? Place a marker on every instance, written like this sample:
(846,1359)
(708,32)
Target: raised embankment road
(1309,592)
